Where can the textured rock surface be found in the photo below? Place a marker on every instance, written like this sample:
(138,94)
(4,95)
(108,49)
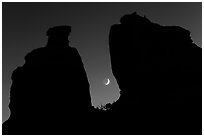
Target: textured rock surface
(159,72)
(51,90)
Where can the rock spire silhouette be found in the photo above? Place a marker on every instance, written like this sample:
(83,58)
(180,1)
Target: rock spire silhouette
(51,90)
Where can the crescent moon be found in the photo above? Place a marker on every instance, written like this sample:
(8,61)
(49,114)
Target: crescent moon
(108,82)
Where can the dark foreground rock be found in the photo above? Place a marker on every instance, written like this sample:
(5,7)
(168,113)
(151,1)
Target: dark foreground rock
(50,92)
(159,71)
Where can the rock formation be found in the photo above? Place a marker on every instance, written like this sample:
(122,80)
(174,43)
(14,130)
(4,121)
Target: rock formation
(50,92)
(159,71)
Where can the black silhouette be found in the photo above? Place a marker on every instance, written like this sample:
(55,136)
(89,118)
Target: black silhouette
(159,72)
(50,92)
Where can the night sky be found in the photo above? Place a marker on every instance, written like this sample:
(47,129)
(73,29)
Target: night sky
(24,27)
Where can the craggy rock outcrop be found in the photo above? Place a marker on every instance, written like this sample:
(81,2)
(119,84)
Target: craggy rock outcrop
(159,71)
(50,92)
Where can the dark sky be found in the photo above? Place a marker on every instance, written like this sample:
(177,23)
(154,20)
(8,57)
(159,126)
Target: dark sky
(24,26)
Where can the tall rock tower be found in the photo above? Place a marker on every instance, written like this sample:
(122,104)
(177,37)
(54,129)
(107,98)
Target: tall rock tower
(50,92)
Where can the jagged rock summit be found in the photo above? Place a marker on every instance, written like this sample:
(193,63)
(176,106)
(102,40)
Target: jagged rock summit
(159,71)
(51,90)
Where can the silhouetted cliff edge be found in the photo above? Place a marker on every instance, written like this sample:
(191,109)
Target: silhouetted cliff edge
(159,71)
(50,92)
